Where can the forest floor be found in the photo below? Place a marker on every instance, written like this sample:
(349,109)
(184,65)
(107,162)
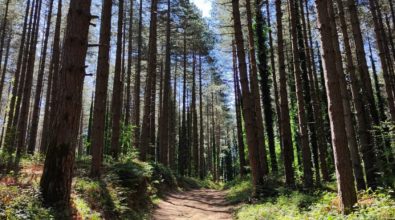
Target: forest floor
(197,204)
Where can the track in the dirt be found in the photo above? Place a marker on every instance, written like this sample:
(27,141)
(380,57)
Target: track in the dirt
(202,204)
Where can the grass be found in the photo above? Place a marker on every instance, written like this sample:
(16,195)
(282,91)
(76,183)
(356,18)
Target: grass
(320,204)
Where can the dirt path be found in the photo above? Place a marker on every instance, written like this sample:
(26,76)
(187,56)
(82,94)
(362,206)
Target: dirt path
(202,204)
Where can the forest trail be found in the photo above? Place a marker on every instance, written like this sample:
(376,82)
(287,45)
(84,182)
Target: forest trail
(206,204)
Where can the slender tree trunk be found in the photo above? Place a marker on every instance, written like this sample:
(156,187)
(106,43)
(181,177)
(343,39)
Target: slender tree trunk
(383,51)
(238,114)
(303,132)
(116,101)
(264,81)
(136,99)
(356,161)
(163,122)
(53,97)
(365,116)
(345,182)
(2,41)
(195,134)
(24,111)
(249,105)
(273,70)
(201,133)
(37,98)
(100,102)
(56,180)
(322,146)
(129,66)
(150,83)
(255,92)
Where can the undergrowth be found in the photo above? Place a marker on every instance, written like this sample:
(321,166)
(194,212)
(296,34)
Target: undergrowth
(128,189)
(319,204)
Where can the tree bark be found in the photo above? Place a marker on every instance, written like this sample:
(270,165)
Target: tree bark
(150,83)
(345,182)
(303,132)
(255,91)
(285,132)
(116,101)
(37,98)
(100,101)
(249,105)
(56,180)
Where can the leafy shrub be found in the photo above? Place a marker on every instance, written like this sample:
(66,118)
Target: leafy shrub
(20,203)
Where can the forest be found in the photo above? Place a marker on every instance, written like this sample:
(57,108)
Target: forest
(197,109)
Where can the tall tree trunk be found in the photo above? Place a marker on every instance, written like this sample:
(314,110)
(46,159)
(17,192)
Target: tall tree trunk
(201,132)
(273,70)
(264,81)
(116,101)
(249,105)
(383,51)
(3,34)
(345,182)
(10,131)
(285,132)
(37,98)
(163,122)
(150,83)
(100,102)
(356,161)
(5,69)
(136,98)
(303,133)
(195,134)
(129,65)
(318,116)
(255,91)
(27,90)
(238,114)
(365,116)
(56,180)
(55,65)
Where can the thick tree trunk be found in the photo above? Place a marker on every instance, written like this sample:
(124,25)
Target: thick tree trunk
(56,180)
(100,102)
(345,182)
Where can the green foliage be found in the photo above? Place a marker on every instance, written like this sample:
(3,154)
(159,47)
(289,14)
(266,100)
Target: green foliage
(239,190)
(17,202)
(320,204)
(162,177)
